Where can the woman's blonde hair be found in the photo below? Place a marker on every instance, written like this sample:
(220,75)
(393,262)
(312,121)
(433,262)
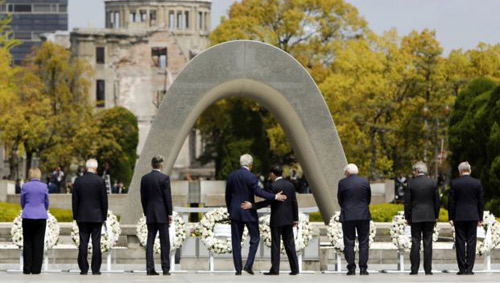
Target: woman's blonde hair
(34,173)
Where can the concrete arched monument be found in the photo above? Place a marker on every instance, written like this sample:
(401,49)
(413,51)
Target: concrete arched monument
(267,75)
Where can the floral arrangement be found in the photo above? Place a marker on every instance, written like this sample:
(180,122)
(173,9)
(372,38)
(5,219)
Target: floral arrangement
(51,231)
(109,237)
(336,235)
(217,245)
(399,237)
(302,237)
(176,239)
(486,246)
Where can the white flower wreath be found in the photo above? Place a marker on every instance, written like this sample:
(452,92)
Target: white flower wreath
(109,237)
(336,235)
(176,240)
(400,237)
(482,246)
(217,245)
(51,232)
(301,242)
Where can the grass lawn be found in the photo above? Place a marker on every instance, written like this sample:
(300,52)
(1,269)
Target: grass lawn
(9,211)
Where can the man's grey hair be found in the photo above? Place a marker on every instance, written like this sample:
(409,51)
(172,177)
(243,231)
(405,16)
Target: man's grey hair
(351,169)
(420,168)
(246,160)
(464,167)
(91,163)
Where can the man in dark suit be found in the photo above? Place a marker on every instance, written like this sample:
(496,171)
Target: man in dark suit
(284,216)
(466,207)
(242,186)
(421,212)
(156,199)
(354,197)
(90,210)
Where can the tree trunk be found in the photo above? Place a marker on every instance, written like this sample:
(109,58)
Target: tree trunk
(373,149)
(29,159)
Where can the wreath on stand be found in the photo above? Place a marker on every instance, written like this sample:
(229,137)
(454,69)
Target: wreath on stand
(177,233)
(302,235)
(109,234)
(51,232)
(401,235)
(207,226)
(336,235)
(490,234)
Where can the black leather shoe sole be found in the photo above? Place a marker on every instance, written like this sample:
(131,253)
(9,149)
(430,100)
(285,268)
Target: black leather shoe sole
(238,273)
(152,273)
(293,273)
(271,273)
(351,273)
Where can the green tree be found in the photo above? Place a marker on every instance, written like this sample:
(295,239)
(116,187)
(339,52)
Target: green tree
(118,137)
(233,127)
(475,135)
(51,106)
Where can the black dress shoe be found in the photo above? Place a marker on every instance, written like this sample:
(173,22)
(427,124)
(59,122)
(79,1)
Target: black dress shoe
(83,272)
(96,273)
(238,273)
(26,272)
(470,273)
(293,273)
(351,272)
(429,273)
(461,273)
(166,272)
(271,273)
(152,273)
(413,273)
(364,272)
(248,270)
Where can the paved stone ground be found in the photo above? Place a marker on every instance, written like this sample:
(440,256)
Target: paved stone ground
(227,277)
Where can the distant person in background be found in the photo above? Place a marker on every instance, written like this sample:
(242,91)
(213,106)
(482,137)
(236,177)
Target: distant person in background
(57,178)
(34,202)
(18,186)
(466,208)
(354,197)
(90,210)
(121,188)
(421,212)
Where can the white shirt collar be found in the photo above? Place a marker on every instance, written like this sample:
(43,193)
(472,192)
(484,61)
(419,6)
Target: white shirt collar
(466,174)
(280,177)
(246,167)
(157,170)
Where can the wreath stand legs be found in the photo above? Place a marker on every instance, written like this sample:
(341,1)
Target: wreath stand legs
(211,263)
(338,262)
(401,263)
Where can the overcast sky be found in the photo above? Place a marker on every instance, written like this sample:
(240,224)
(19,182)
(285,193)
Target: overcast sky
(458,23)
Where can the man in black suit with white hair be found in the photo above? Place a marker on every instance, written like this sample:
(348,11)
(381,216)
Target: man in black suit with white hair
(421,212)
(90,210)
(465,212)
(354,197)
(156,199)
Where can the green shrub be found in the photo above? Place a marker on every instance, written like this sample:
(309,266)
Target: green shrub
(382,213)
(9,211)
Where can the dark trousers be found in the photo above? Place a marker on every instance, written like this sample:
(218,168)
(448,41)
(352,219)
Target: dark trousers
(153,229)
(86,231)
(419,230)
(362,227)
(236,234)
(289,242)
(33,242)
(465,234)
